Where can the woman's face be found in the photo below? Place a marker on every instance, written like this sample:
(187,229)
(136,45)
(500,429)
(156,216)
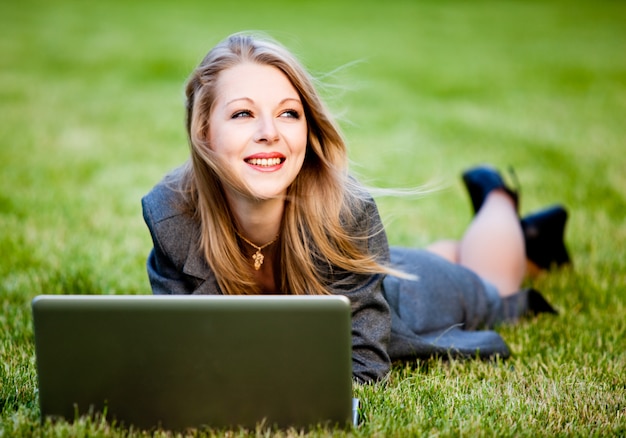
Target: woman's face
(258,127)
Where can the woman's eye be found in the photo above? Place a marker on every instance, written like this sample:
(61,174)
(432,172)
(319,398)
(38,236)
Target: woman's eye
(291,114)
(241,114)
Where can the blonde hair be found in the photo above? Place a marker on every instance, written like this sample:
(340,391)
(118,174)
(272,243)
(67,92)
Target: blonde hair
(319,230)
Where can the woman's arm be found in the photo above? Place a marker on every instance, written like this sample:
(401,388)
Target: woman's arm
(173,234)
(371,328)
(371,318)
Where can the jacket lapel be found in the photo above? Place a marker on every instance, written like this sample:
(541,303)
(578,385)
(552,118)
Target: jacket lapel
(195,265)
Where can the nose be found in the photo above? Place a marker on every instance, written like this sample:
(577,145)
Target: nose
(266,131)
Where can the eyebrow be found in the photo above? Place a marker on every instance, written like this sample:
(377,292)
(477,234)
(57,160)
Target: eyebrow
(247,99)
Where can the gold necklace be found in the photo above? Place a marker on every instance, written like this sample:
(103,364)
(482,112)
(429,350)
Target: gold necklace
(258,255)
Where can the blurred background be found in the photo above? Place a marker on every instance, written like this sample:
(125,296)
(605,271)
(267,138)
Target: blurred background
(91,116)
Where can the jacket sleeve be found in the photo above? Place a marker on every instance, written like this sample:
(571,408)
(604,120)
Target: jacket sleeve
(371,317)
(172,234)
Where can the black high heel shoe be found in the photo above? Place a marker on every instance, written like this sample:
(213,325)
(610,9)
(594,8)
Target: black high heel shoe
(481,180)
(543,236)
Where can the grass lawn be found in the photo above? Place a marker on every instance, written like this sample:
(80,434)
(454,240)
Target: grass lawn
(91,116)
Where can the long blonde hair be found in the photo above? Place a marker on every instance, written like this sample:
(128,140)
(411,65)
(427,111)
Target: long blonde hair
(319,229)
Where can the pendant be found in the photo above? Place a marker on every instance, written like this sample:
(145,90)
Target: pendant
(258,259)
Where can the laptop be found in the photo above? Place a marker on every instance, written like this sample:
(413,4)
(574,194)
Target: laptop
(180,362)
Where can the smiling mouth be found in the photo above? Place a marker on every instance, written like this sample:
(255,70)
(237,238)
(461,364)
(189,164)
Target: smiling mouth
(265,162)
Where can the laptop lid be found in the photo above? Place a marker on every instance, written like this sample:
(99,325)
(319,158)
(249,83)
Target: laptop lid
(193,361)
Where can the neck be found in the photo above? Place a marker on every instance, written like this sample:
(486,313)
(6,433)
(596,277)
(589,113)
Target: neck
(258,220)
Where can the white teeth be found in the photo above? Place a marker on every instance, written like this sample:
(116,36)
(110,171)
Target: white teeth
(264,162)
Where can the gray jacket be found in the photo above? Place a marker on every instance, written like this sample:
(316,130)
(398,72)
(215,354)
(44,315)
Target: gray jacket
(392,318)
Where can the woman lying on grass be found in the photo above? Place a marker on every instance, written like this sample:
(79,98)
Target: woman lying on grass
(266,205)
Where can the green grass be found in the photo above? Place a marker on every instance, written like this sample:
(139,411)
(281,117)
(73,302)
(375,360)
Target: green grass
(91,117)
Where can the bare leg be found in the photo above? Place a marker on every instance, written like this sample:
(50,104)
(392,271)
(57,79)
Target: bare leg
(493,245)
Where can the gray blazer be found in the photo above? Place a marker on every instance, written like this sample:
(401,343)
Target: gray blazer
(392,318)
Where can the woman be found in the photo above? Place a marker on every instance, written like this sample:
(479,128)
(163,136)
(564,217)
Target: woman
(265,205)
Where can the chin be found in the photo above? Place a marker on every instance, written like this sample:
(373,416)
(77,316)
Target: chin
(269,193)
